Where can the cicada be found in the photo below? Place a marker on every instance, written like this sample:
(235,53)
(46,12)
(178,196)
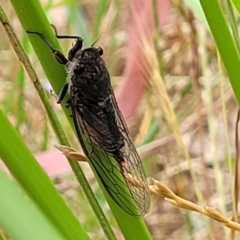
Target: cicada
(100,126)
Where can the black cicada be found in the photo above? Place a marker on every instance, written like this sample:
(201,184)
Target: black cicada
(101,128)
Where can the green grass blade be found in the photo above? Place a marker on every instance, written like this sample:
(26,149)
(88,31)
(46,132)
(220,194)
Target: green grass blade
(224,41)
(32,17)
(102,9)
(1,237)
(236,3)
(35,182)
(29,221)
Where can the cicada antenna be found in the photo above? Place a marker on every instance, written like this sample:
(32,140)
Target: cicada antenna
(96,40)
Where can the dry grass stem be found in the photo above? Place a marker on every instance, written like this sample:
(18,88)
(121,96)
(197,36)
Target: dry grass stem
(161,95)
(163,191)
(163,101)
(71,153)
(135,182)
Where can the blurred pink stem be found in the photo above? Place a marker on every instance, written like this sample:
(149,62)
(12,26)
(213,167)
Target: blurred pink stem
(140,24)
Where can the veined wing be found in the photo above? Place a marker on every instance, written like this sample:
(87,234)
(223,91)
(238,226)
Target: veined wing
(125,182)
(133,168)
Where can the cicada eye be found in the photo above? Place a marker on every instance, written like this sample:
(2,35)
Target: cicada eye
(100,50)
(79,69)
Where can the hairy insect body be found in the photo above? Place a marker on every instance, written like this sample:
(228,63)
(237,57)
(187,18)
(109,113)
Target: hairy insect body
(101,128)
(90,86)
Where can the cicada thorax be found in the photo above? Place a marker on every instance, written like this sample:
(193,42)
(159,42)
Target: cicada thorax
(93,101)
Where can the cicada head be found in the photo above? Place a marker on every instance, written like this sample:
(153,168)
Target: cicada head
(90,53)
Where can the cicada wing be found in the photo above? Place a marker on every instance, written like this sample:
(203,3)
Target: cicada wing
(132,169)
(107,168)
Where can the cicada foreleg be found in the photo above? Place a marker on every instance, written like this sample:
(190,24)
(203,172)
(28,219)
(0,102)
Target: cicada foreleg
(59,57)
